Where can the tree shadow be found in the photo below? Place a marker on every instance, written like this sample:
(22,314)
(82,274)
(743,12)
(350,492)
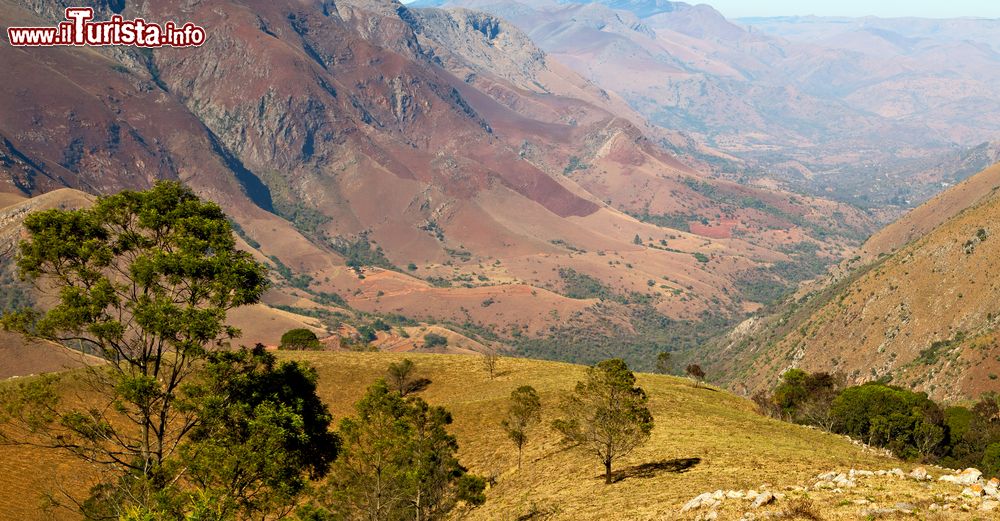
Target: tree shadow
(649,470)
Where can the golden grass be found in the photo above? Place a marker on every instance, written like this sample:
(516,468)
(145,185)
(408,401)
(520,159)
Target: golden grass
(737,448)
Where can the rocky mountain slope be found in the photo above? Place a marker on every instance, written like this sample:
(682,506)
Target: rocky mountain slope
(429,164)
(920,309)
(855,108)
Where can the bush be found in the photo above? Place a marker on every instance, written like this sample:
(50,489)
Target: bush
(888,416)
(435,340)
(991,460)
(299,339)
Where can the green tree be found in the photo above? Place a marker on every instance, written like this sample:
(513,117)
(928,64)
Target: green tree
(299,339)
(664,363)
(524,411)
(807,397)
(696,372)
(990,464)
(398,461)
(435,340)
(888,416)
(144,280)
(402,380)
(606,414)
(261,432)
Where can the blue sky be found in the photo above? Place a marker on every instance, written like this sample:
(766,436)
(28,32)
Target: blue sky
(884,8)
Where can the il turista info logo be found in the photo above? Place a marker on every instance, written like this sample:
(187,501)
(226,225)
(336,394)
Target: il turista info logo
(80,29)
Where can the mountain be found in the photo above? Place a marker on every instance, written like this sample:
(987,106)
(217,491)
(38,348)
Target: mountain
(704,440)
(425,166)
(918,309)
(846,108)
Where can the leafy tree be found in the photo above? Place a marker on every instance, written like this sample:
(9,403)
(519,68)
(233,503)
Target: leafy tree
(888,416)
(299,339)
(990,464)
(606,414)
(524,411)
(367,334)
(398,461)
(696,372)
(435,340)
(664,363)
(807,397)
(400,377)
(143,279)
(637,239)
(262,431)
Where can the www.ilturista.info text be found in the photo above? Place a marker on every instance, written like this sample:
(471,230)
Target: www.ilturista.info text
(79,29)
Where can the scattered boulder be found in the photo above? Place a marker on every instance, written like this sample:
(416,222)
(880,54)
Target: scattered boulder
(698,502)
(969,476)
(764,498)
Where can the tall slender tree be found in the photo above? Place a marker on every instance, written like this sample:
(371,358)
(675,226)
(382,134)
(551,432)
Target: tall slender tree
(524,411)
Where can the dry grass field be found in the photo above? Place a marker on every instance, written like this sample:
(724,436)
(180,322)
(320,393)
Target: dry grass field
(704,440)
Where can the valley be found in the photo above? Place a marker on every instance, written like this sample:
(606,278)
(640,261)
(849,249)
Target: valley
(500,259)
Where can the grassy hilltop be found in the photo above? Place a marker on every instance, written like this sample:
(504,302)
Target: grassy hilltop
(719,437)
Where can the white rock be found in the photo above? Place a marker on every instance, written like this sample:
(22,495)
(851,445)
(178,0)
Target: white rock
(919,474)
(735,494)
(697,502)
(969,492)
(763,499)
(718,495)
(989,505)
(969,476)
(949,478)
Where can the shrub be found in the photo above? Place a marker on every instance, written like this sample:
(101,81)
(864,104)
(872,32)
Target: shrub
(435,340)
(299,339)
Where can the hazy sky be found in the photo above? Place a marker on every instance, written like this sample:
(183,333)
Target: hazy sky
(885,8)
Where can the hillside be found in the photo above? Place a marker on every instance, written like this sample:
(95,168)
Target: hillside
(715,438)
(919,311)
(425,164)
(857,109)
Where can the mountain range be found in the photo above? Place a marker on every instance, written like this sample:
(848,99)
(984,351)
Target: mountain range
(848,108)
(428,166)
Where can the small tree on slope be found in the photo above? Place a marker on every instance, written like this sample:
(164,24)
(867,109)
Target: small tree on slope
(606,414)
(524,412)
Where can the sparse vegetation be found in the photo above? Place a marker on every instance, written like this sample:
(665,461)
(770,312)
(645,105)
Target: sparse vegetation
(490,361)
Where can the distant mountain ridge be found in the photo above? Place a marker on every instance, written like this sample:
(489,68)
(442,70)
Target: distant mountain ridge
(848,108)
